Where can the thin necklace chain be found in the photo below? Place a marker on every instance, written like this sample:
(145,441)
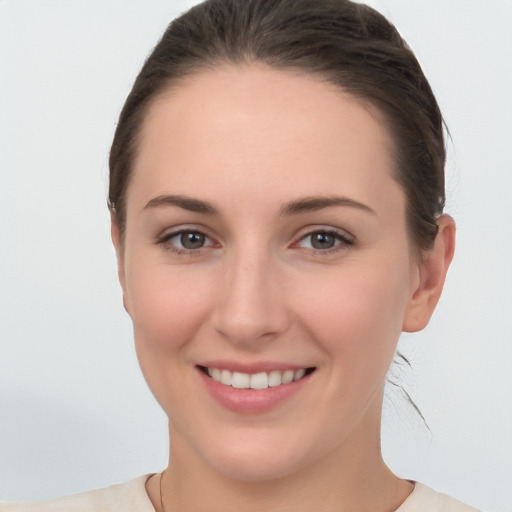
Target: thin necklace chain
(161,495)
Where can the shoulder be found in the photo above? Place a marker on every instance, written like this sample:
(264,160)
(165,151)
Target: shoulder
(129,497)
(424,499)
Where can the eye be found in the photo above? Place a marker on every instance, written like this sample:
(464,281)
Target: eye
(185,241)
(191,239)
(325,240)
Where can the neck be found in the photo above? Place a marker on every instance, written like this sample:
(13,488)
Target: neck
(352,477)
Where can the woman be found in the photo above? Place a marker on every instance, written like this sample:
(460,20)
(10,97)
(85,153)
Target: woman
(277,195)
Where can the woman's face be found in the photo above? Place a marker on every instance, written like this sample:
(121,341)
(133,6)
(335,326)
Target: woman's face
(266,240)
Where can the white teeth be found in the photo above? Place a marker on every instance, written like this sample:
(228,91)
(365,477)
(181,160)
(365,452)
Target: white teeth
(226,377)
(274,378)
(240,380)
(260,380)
(287,376)
(215,374)
(299,374)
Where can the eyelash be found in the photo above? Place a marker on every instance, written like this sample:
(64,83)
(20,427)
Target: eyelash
(342,241)
(165,242)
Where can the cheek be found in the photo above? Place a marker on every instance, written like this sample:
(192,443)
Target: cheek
(356,312)
(167,308)
(167,311)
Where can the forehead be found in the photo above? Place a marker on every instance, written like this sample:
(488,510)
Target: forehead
(245,126)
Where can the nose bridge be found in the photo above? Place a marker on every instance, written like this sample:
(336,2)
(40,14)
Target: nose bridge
(249,306)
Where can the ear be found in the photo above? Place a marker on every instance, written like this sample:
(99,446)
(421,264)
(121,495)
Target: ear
(432,274)
(119,247)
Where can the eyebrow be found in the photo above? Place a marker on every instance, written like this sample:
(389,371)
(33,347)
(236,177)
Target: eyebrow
(185,202)
(303,205)
(314,203)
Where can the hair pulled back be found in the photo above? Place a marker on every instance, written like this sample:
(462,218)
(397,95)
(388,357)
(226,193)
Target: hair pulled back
(348,44)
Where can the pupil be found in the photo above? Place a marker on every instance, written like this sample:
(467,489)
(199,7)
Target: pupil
(192,240)
(322,241)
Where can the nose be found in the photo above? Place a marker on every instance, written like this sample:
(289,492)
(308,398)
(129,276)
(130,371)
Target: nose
(250,308)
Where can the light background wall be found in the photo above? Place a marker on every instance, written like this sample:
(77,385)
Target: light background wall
(74,410)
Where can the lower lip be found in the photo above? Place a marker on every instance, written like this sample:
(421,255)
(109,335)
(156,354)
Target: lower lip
(252,401)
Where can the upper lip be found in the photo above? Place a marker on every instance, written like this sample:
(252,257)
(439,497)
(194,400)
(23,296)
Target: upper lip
(252,368)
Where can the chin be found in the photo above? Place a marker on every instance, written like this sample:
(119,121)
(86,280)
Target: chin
(257,459)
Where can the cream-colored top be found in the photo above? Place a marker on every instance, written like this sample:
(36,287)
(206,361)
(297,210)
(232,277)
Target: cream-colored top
(132,497)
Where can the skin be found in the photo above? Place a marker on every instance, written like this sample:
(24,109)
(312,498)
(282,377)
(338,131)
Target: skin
(249,141)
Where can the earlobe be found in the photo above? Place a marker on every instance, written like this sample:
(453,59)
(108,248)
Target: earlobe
(432,275)
(118,245)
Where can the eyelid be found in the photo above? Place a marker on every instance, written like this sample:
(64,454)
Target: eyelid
(345,238)
(168,234)
(324,228)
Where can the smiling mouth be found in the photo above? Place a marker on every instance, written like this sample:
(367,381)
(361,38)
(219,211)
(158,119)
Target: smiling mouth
(260,380)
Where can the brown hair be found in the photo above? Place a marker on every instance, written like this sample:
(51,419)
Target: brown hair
(348,44)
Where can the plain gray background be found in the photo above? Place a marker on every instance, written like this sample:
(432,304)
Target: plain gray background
(74,409)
